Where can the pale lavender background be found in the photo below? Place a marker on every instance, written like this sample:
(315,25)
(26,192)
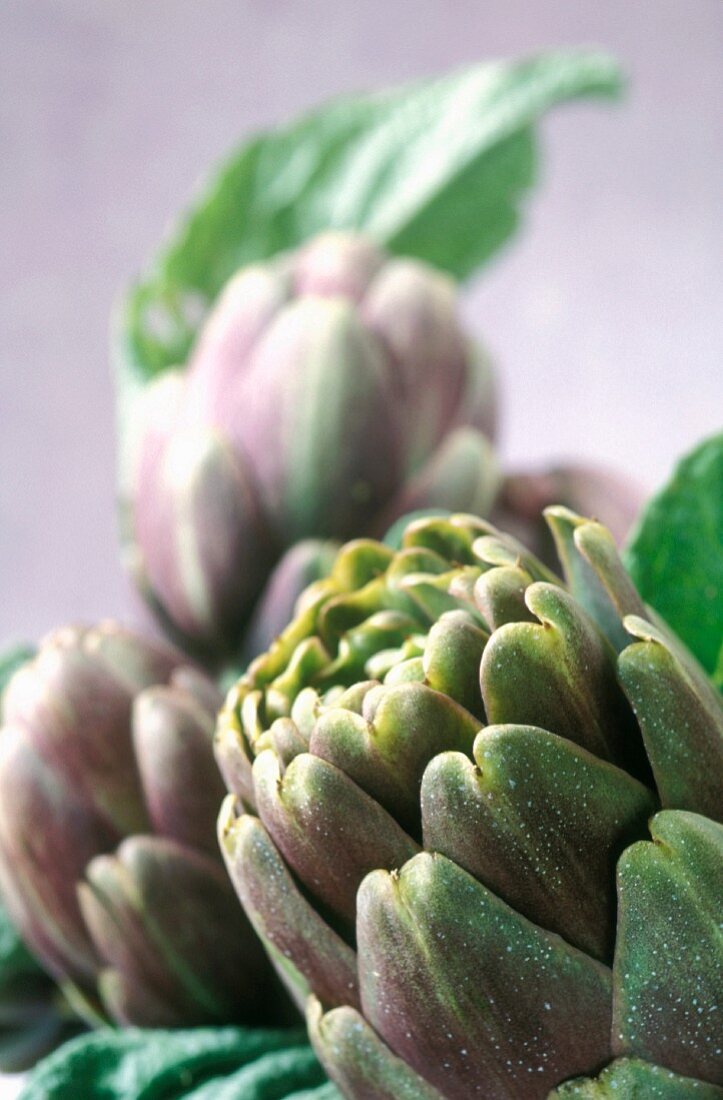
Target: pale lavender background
(603,315)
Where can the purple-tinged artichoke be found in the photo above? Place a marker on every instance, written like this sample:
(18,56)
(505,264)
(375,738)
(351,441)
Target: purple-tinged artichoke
(109,863)
(34,1015)
(613,499)
(445,776)
(330,390)
(304,563)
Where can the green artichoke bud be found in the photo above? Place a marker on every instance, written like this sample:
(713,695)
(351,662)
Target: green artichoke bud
(330,391)
(108,858)
(475,818)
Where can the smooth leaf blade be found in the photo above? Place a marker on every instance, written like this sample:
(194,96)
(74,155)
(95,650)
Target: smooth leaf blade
(487,196)
(435,169)
(675,558)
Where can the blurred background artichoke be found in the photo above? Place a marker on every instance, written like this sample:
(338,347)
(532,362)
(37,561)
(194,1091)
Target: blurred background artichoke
(108,859)
(329,391)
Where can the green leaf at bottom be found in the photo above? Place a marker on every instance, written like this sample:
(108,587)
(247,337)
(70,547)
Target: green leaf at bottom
(197,1064)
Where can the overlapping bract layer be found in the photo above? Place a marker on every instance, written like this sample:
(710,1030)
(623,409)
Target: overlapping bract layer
(108,857)
(330,390)
(445,775)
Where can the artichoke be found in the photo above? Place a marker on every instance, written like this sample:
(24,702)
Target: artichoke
(613,498)
(108,857)
(34,1016)
(475,818)
(330,390)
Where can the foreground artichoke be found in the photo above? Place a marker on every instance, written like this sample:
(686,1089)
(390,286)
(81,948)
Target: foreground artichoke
(108,856)
(475,813)
(330,390)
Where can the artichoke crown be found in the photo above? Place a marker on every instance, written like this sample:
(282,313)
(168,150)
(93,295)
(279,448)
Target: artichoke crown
(474,815)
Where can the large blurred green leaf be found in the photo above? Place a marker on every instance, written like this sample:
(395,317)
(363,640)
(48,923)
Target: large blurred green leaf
(435,169)
(197,1064)
(675,554)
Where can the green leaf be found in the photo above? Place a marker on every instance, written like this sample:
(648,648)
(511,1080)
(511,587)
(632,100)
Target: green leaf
(199,1064)
(16,962)
(33,1017)
(435,169)
(675,558)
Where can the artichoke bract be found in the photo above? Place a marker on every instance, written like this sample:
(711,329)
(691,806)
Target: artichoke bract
(475,818)
(592,490)
(109,864)
(330,390)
